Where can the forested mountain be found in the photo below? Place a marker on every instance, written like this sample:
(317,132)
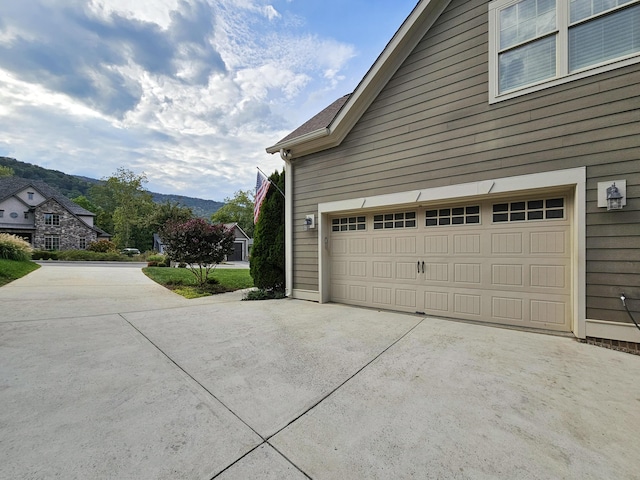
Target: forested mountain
(72,186)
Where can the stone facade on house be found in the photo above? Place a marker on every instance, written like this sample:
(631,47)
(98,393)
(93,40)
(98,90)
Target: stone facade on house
(44,217)
(71,231)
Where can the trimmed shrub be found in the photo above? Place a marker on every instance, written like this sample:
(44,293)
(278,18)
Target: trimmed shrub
(103,246)
(85,255)
(262,294)
(44,255)
(14,248)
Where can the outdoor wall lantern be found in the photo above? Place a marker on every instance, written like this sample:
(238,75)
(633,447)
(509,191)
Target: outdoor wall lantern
(612,194)
(614,198)
(309,222)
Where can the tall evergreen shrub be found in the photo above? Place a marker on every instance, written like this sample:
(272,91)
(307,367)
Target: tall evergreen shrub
(267,254)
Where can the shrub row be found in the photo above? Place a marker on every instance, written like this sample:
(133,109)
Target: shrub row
(78,255)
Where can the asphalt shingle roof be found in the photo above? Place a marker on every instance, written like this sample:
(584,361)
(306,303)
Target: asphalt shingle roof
(321,120)
(12,185)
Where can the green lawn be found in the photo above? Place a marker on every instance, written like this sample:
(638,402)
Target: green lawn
(183,282)
(11,270)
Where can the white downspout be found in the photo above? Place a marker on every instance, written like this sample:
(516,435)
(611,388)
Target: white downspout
(288,222)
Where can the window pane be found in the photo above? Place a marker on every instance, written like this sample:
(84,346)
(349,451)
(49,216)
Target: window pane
(361,219)
(501,207)
(473,219)
(535,204)
(525,21)
(500,217)
(445,221)
(555,202)
(432,213)
(362,226)
(604,38)
(431,222)
(555,213)
(377,226)
(472,210)
(517,206)
(377,218)
(530,63)
(457,211)
(535,215)
(458,220)
(410,223)
(410,215)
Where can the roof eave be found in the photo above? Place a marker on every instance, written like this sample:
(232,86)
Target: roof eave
(417,24)
(307,137)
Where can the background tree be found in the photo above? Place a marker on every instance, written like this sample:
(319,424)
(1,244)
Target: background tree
(123,197)
(199,244)
(6,171)
(168,212)
(237,209)
(267,255)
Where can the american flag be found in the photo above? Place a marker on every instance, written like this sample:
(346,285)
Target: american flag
(262,187)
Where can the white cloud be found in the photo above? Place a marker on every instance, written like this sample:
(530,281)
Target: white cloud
(188,91)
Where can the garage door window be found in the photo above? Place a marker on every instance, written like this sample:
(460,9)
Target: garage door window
(394,220)
(348,224)
(453,216)
(547,209)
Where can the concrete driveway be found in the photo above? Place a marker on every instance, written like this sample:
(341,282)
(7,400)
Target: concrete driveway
(104,374)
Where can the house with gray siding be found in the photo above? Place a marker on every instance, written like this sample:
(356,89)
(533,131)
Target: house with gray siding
(467,175)
(44,217)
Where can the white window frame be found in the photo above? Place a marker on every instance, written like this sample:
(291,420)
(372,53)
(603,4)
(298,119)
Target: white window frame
(562,53)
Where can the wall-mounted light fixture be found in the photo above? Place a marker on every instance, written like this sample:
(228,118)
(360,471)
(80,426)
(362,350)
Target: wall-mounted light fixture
(614,198)
(612,194)
(309,222)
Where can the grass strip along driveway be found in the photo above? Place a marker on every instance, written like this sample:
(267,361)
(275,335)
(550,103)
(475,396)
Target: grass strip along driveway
(11,270)
(183,282)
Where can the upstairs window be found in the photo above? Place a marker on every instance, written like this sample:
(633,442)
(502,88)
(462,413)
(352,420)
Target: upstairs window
(52,219)
(538,43)
(30,195)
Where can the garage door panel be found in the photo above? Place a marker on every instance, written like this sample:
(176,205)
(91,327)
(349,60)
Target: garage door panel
(512,273)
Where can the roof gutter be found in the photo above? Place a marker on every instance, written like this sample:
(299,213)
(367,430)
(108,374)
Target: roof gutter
(307,137)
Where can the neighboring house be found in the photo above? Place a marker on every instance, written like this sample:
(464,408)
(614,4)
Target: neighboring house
(158,246)
(241,244)
(45,218)
(467,174)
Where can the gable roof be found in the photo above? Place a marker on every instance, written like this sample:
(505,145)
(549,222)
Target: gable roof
(236,226)
(304,140)
(10,186)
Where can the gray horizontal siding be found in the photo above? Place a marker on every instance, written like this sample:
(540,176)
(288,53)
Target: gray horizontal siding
(432,125)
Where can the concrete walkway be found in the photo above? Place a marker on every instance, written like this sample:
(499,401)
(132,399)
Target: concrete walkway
(106,375)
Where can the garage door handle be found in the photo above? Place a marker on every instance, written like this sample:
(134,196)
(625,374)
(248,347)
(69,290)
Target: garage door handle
(418,266)
(422,267)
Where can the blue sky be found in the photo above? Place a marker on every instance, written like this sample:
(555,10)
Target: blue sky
(188,92)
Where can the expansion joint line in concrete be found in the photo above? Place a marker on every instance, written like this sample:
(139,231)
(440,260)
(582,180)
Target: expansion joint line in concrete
(191,376)
(267,440)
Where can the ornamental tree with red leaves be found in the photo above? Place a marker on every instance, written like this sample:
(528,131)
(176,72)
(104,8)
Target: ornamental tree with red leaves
(199,244)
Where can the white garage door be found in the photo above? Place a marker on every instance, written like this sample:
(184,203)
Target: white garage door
(504,262)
